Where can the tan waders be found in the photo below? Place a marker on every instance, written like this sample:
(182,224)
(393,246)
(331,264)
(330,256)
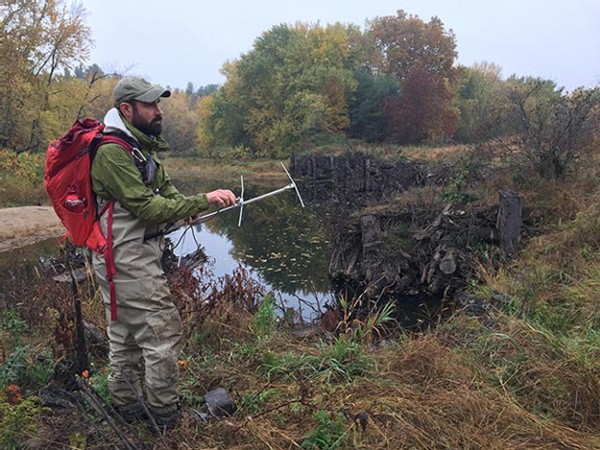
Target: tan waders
(144,340)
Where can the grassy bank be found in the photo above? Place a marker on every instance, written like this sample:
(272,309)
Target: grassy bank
(523,372)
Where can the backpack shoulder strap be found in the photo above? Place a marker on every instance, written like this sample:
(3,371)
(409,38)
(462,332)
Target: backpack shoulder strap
(113,139)
(147,166)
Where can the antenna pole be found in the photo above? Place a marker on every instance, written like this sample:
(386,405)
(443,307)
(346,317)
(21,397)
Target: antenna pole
(239,204)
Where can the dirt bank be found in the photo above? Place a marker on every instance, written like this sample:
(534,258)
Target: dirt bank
(26,225)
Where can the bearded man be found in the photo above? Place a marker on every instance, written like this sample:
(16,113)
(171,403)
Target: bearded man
(145,329)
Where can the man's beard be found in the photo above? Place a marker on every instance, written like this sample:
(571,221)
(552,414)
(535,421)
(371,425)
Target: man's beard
(152,128)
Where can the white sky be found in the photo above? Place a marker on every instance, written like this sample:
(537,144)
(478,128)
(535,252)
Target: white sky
(177,41)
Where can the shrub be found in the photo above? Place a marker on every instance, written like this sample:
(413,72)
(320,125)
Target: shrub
(21,177)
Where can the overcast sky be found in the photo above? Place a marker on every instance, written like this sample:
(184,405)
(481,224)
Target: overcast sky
(177,41)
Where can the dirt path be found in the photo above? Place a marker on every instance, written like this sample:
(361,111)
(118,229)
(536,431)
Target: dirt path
(26,225)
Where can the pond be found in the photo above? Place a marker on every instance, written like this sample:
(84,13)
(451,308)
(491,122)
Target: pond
(282,245)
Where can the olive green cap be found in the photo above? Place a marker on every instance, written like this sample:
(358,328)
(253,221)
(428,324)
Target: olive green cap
(128,89)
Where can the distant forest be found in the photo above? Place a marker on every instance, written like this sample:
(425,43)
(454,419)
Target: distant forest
(393,81)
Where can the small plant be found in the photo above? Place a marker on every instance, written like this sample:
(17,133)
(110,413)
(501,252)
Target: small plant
(12,325)
(253,403)
(343,360)
(456,190)
(265,318)
(27,166)
(77,441)
(99,382)
(372,323)
(329,433)
(288,365)
(27,366)
(21,177)
(17,420)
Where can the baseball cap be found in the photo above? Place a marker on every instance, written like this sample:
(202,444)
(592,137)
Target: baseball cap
(131,88)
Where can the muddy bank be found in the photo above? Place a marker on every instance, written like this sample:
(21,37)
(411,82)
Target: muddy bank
(25,225)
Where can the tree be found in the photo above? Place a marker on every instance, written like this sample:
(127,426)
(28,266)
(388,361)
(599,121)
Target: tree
(420,56)
(292,86)
(405,43)
(38,37)
(367,106)
(482,103)
(180,122)
(220,122)
(98,98)
(86,72)
(556,130)
(194,94)
(423,112)
(204,91)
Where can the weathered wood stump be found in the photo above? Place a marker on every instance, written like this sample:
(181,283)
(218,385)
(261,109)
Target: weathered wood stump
(509,221)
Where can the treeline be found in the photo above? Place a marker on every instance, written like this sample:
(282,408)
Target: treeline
(301,86)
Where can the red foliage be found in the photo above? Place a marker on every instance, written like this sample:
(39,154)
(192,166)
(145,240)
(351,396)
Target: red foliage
(423,112)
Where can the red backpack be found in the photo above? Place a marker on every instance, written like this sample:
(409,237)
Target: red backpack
(69,185)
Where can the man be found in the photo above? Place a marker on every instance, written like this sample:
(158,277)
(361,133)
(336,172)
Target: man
(144,338)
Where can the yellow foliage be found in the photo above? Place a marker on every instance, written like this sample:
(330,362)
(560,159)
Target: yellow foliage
(99,98)
(24,166)
(203,111)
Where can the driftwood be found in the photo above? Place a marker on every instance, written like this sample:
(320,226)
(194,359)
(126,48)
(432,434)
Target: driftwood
(441,236)
(436,255)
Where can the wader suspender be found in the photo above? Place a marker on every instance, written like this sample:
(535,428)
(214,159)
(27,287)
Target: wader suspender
(109,259)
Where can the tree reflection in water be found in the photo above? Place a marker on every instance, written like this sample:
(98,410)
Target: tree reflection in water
(284,247)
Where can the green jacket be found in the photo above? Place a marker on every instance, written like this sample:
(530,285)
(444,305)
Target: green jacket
(115,176)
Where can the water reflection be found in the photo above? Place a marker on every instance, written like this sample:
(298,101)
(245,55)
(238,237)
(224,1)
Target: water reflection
(282,245)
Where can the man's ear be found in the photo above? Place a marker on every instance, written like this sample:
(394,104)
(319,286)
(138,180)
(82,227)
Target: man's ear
(126,110)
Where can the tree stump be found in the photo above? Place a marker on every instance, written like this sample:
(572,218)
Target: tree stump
(509,221)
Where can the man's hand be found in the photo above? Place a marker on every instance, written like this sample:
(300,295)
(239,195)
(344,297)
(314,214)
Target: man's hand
(221,198)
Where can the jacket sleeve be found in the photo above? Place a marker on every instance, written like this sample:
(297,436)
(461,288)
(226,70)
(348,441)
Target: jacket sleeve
(115,175)
(166,188)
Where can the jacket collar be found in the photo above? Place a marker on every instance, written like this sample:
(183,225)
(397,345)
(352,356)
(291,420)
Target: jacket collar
(114,122)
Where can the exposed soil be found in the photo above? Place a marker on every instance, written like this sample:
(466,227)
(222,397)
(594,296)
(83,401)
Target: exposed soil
(27,225)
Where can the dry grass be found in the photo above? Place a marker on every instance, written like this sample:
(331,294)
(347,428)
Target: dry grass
(428,393)
(492,382)
(450,153)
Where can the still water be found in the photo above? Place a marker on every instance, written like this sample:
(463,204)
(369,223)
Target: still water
(282,245)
